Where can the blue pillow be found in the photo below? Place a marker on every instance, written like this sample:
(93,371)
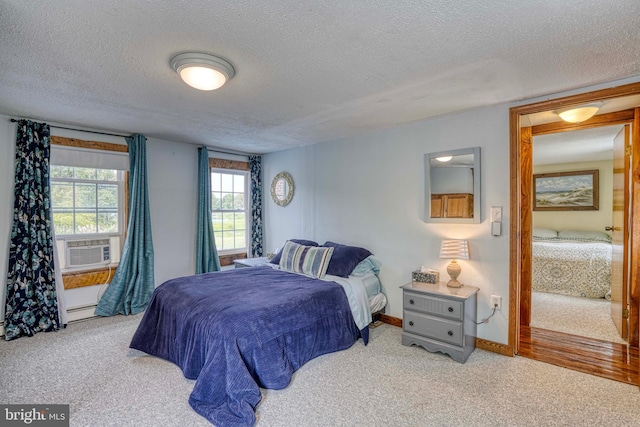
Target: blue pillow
(276,259)
(345,258)
(368,265)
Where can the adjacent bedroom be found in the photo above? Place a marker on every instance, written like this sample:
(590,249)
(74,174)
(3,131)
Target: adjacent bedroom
(573,233)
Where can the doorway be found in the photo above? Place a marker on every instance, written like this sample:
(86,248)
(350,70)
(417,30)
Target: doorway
(612,360)
(572,240)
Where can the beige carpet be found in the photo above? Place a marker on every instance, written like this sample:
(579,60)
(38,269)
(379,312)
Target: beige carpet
(587,317)
(90,367)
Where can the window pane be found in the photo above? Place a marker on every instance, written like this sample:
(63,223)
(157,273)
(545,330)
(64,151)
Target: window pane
(240,223)
(218,239)
(238,183)
(240,239)
(227,221)
(86,222)
(107,196)
(107,174)
(227,201)
(61,194)
(85,195)
(215,182)
(227,239)
(238,201)
(107,222)
(227,182)
(216,201)
(85,173)
(216,217)
(63,222)
(61,172)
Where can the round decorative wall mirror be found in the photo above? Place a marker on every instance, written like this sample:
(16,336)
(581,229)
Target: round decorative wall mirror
(282,189)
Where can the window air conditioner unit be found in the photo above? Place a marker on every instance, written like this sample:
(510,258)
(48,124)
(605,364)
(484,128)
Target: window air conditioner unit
(86,253)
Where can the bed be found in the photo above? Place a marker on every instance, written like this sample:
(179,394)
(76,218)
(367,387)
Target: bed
(238,330)
(571,262)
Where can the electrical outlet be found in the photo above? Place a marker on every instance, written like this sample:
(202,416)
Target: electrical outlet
(496,301)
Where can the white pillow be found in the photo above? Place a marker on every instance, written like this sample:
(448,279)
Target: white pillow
(545,233)
(592,236)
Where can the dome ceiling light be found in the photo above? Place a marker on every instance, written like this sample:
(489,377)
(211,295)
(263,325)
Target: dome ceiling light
(579,114)
(202,71)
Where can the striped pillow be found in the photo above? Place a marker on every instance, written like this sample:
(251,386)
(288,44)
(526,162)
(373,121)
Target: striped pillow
(308,260)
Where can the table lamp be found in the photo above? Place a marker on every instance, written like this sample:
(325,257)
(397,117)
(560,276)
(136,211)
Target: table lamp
(454,250)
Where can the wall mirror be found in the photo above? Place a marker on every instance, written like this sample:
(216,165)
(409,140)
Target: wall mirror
(452,186)
(282,189)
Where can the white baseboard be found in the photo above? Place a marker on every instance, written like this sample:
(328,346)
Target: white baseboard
(81,313)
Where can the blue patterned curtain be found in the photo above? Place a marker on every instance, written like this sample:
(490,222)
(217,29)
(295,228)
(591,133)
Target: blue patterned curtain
(206,253)
(31,298)
(255,166)
(133,282)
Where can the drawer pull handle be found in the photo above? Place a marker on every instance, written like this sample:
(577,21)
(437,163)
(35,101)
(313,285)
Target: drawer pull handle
(450,333)
(411,323)
(410,301)
(450,309)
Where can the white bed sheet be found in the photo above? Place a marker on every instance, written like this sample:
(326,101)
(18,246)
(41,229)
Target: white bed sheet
(356,289)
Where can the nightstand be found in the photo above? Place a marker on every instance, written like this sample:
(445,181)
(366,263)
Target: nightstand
(250,262)
(439,318)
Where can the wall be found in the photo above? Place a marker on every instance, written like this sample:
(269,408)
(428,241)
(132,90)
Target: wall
(369,191)
(580,220)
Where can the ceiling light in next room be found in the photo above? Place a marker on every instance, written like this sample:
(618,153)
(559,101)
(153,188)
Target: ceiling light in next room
(579,114)
(202,71)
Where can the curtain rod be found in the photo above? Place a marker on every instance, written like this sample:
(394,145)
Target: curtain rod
(236,153)
(114,134)
(80,130)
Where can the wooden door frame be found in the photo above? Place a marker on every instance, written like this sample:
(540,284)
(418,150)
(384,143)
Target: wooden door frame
(521,201)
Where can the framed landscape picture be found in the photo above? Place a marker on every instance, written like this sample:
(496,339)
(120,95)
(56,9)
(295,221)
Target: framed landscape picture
(566,191)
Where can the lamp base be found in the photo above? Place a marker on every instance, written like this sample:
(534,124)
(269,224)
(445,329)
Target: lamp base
(454,270)
(454,284)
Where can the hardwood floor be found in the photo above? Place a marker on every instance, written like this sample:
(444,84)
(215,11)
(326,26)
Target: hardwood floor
(615,361)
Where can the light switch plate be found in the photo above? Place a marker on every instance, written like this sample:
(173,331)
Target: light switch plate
(496,213)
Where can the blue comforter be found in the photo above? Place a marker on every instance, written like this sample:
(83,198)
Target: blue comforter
(238,330)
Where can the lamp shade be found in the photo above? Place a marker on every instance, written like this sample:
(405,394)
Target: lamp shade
(454,249)
(579,114)
(202,71)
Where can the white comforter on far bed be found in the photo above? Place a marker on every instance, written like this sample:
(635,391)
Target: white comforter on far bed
(580,269)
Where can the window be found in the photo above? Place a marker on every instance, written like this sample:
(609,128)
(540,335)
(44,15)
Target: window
(230,209)
(86,200)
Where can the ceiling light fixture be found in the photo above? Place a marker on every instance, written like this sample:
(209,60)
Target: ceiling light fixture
(579,114)
(202,71)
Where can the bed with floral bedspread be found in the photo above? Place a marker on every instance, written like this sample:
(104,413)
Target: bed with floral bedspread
(575,263)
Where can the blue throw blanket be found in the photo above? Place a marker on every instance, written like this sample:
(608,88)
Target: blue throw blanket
(238,330)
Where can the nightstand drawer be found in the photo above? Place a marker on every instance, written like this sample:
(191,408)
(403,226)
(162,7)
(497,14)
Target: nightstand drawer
(432,305)
(441,329)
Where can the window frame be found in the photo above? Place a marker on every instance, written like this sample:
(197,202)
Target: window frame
(119,182)
(78,278)
(247,204)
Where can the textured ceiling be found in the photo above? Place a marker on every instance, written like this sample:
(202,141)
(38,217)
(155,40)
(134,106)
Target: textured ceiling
(307,71)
